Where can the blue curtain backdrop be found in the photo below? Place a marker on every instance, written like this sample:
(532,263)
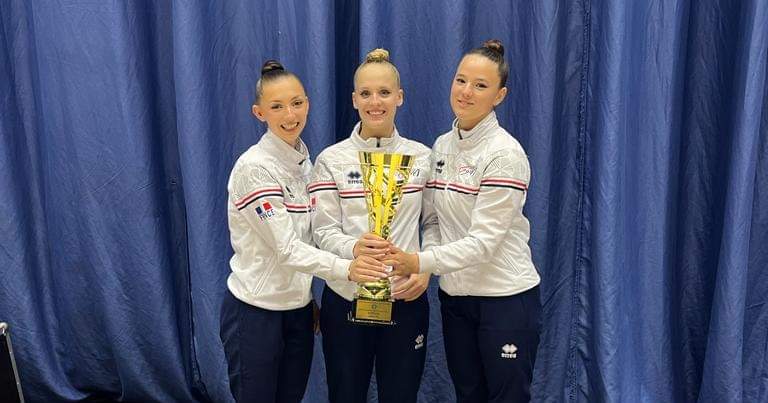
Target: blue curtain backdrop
(646,125)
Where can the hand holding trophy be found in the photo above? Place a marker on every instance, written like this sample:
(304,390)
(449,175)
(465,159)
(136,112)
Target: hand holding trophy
(384,175)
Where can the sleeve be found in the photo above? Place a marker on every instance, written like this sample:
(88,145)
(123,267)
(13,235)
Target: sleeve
(326,219)
(500,200)
(430,229)
(258,198)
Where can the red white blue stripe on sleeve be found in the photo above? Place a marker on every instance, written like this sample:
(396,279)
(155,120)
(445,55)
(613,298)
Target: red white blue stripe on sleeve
(470,190)
(258,194)
(411,188)
(298,208)
(320,186)
(454,187)
(504,183)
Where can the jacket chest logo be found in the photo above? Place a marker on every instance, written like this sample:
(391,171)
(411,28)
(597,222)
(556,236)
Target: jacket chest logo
(439,166)
(354,178)
(467,170)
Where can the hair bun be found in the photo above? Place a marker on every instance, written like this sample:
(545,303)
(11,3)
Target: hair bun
(270,66)
(494,45)
(377,55)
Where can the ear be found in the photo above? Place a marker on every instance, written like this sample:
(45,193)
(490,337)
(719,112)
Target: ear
(500,96)
(256,111)
(401,97)
(354,100)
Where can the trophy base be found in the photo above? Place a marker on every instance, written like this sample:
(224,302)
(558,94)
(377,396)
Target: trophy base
(371,312)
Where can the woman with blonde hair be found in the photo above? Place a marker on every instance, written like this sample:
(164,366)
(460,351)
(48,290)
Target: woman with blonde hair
(340,225)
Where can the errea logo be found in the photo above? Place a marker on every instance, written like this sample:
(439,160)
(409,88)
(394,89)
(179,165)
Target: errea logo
(354,178)
(509,351)
(439,166)
(419,342)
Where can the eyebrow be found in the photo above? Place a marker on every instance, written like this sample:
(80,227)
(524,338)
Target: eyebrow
(292,99)
(476,79)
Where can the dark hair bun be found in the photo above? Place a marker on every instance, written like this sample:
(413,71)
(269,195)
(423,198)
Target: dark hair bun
(270,66)
(494,45)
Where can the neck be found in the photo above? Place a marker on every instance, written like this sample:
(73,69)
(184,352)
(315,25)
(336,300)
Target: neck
(367,133)
(294,142)
(467,125)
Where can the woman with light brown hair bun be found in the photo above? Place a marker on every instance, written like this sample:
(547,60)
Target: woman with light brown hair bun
(340,226)
(267,315)
(488,284)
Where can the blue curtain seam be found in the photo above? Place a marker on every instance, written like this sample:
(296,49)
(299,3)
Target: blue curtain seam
(581,162)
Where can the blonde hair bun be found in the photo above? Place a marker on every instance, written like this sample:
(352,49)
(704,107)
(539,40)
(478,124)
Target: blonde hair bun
(377,55)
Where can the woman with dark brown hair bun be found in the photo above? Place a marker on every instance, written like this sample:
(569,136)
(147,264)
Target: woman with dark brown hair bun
(267,315)
(488,284)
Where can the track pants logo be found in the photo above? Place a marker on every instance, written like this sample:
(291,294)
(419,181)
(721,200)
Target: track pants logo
(509,351)
(419,342)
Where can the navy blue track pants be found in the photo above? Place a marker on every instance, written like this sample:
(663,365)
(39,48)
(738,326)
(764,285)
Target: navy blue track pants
(269,353)
(351,349)
(490,345)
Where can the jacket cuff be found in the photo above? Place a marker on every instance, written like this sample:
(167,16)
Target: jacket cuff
(348,250)
(340,269)
(428,262)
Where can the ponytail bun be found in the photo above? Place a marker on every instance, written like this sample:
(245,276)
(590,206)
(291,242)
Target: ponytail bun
(494,45)
(493,50)
(271,70)
(270,66)
(378,55)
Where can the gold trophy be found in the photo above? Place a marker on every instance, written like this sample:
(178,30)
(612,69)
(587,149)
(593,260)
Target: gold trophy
(384,176)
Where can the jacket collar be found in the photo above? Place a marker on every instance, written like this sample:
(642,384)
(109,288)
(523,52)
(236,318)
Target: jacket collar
(374,143)
(286,155)
(470,138)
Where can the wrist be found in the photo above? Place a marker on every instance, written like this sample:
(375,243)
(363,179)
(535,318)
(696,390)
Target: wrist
(356,249)
(415,262)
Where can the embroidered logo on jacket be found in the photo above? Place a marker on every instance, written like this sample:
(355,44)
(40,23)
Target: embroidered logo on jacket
(265,211)
(467,170)
(354,178)
(509,351)
(439,166)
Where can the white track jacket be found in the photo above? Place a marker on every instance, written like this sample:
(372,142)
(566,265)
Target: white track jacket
(269,223)
(477,190)
(341,216)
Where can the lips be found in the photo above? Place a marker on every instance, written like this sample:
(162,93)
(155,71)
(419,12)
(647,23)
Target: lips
(290,126)
(463,103)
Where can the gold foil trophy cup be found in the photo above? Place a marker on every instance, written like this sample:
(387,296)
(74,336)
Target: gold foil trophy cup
(384,175)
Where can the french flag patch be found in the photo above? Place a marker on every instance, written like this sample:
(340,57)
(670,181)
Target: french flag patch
(265,211)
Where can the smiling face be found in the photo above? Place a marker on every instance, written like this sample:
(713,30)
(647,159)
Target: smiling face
(475,90)
(376,98)
(284,106)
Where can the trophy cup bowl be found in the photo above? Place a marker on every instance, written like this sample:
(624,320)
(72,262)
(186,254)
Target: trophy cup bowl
(384,175)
